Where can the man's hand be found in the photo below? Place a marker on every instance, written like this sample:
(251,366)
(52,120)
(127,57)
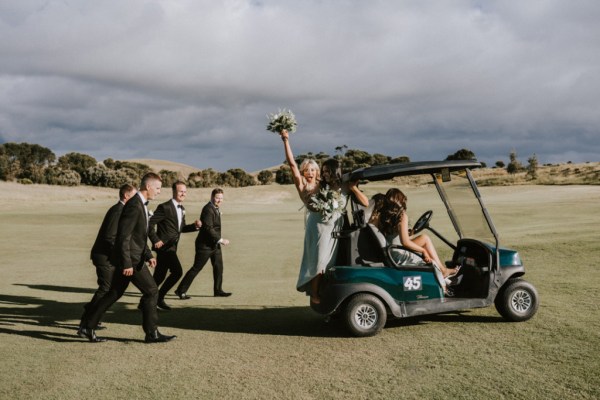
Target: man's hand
(198,223)
(159,244)
(224,242)
(128,271)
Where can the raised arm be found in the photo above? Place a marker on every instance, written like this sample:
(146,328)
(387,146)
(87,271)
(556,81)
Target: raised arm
(360,196)
(289,156)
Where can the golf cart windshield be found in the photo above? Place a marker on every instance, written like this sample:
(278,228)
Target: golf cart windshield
(465,208)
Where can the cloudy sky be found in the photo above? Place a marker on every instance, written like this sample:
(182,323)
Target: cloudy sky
(192,80)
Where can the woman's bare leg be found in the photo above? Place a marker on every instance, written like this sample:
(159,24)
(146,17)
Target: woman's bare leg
(314,289)
(425,241)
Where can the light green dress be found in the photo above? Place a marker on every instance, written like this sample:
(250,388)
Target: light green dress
(320,248)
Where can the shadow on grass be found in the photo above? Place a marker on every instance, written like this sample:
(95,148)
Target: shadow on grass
(283,321)
(19,311)
(16,312)
(69,289)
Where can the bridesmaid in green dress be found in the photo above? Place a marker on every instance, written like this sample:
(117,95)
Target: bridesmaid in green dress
(320,247)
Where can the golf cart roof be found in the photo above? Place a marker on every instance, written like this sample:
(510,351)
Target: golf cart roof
(389,171)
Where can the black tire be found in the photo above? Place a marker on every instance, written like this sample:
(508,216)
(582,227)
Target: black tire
(517,300)
(365,315)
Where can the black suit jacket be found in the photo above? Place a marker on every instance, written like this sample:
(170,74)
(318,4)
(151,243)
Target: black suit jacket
(103,246)
(210,232)
(131,245)
(164,226)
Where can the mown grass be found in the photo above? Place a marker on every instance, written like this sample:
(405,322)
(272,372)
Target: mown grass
(264,342)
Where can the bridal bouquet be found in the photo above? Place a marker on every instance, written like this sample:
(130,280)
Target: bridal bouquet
(327,202)
(284,119)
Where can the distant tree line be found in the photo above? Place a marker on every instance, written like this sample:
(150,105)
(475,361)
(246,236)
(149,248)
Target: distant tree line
(350,159)
(32,163)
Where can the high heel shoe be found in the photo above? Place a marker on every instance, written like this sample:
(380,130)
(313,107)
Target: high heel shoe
(454,272)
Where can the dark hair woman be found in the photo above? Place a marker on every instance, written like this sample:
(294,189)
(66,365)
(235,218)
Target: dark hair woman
(393,221)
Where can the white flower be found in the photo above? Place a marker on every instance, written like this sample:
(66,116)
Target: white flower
(283,119)
(327,202)
(150,213)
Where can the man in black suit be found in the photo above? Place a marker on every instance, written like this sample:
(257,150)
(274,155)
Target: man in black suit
(169,220)
(129,256)
(103,247)
(208,246)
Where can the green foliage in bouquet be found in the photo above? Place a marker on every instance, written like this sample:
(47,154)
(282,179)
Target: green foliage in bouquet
(283,119)
(327,202)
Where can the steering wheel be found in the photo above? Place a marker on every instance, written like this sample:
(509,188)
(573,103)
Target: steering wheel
(422,222)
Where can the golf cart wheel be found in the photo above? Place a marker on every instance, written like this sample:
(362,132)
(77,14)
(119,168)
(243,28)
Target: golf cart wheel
(365,315)
(517,300)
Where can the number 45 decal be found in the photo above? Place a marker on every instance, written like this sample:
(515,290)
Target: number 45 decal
(412,283)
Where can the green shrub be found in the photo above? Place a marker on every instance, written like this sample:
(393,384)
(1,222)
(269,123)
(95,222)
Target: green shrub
(283,175)
(102,176)
(265,177)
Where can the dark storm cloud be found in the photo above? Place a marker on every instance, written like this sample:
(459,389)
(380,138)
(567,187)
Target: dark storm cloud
(191,81)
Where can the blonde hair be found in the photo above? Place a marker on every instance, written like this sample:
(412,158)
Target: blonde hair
(309,162)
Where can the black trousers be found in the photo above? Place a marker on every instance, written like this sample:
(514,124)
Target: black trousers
(200,259)
(105,274)
(167,261)
(141,279)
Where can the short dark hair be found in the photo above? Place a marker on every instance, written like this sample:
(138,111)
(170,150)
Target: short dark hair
(177,183)
(124,189)
(150,176)
(216,192)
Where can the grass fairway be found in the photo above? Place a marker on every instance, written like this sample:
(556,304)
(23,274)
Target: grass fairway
(264,342)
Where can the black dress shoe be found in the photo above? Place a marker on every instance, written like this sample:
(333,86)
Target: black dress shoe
(99,327)
(162,305)
(90,334)
(221,293)
(157,337)
(182,296)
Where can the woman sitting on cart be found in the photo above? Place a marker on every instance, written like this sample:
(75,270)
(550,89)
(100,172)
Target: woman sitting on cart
(393,223)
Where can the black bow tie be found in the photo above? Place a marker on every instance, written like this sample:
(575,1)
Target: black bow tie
(180,206)
(146,203)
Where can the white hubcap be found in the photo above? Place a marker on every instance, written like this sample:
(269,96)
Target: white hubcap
(365,316)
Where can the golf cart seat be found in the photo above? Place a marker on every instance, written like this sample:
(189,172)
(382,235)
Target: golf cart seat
(370,250)
(394,253)
(374,250)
